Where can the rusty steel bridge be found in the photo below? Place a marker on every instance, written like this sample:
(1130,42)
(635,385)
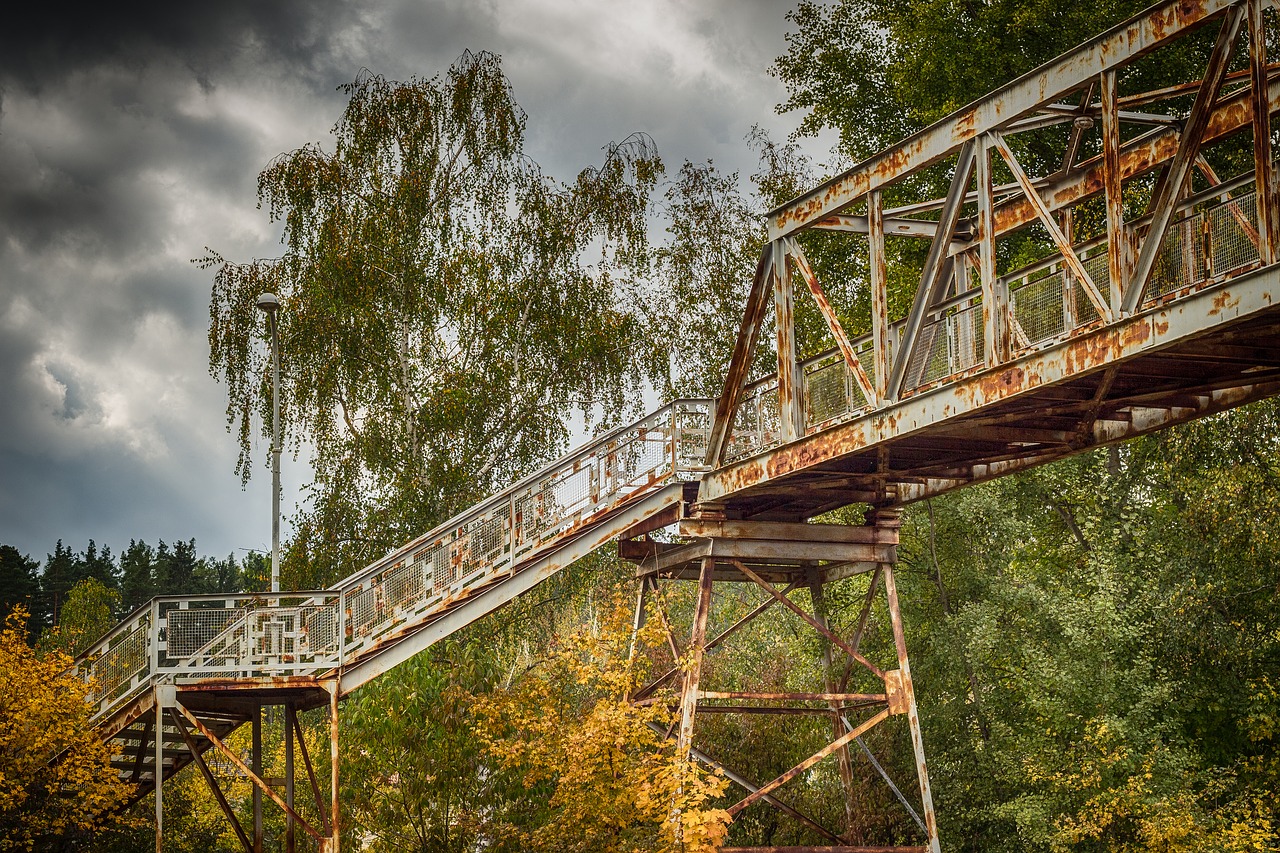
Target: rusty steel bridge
(1170,312)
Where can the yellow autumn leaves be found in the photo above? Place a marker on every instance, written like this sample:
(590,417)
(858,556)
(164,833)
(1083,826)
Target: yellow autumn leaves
(55,774)
(615,782)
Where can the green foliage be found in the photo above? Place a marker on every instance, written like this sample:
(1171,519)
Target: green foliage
(702,273)
(413,773)
(89,612)
(19,583)
(1097,643)
(439,310)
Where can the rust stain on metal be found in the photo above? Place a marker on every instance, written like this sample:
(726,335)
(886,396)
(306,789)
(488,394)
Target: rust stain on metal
(1223,302)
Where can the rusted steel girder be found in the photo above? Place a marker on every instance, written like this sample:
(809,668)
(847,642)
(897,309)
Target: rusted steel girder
(1123,43)
(744,350)
(1184,158)
(933,278)
(1156,330)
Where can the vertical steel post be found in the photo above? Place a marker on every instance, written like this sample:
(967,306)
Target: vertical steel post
(879,293)
(913,718)
(790,393)
(994,300)
(1264,172)
(158,772)
(275,453)
(289,714)
(256,764)
(153,638)
(831,685)
(1117,234)
(693,666)
(333,767)
(637,622)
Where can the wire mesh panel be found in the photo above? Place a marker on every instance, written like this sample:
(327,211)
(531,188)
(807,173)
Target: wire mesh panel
(281,639)
(966,330)
(1180,262)
(364,610)
(226,655)
(1037,309)
(947,346)
(929,357)
(1233,234)
(403,585)
(1098,266)
(866,352)
(293,633)
(692,424)
(189,630)
(827,391)
(757,424)
(482,544)
(634,462)
(118,666)
(444,571)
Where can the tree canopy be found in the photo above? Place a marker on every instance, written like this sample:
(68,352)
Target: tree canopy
(443,300)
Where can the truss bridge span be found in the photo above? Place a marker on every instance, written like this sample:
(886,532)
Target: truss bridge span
(1165,312)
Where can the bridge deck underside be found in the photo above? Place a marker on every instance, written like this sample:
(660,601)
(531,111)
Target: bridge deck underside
(1096,388)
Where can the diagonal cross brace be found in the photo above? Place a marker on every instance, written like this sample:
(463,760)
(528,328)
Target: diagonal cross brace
(769,787)
(833,322)
(1188,146)
(249,774)
(212,782)
(1046,219)
(813,623)
(932,280)
(744,350)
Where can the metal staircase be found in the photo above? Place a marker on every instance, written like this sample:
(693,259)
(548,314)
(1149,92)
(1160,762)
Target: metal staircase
(470,565)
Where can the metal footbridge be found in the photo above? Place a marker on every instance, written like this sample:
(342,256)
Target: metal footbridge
(1168,310)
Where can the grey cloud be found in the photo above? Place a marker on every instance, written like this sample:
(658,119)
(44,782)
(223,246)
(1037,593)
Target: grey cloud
(131,135)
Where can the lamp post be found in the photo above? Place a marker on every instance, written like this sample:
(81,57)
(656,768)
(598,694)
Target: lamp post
(270,304)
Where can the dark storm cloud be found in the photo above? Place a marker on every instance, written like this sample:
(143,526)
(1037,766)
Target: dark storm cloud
(43,42)
(131,135)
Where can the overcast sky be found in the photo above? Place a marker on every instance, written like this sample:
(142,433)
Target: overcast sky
(131,136)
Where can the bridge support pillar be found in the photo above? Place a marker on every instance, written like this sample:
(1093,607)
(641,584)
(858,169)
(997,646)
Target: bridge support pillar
(200,717)
(779,565)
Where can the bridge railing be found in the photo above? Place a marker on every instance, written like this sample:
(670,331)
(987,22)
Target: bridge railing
(1213,236)
(203,637)
(494,537)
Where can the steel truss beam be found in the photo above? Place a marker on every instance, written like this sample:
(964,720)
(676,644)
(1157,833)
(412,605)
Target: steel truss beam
(1047,84)
(962,239)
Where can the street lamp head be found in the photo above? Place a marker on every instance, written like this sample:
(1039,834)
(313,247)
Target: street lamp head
(268,302)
